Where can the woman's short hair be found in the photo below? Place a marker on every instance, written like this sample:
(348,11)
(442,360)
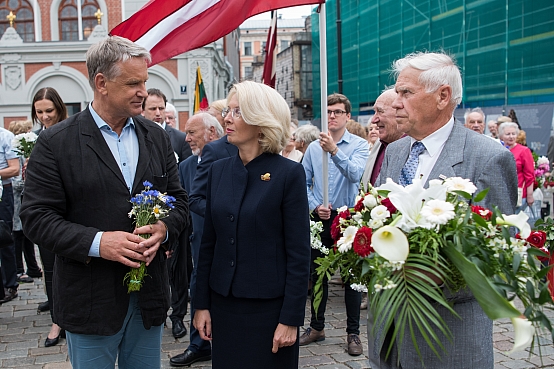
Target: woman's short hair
(262,106)
(48,93)
(356,129)
(503,126)
(437,69)
(307,133)
(104,56)
(219,105)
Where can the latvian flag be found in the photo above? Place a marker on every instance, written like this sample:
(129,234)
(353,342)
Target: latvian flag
(171,27)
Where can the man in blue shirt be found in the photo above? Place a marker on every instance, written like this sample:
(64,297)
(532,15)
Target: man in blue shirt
(347,157)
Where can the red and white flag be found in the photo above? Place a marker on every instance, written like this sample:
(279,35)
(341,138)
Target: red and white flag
(270,62)
(169,28)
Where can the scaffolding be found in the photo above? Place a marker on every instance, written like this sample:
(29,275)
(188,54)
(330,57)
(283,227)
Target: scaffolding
(505,48)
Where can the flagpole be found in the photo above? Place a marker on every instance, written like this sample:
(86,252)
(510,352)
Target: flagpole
(323,82)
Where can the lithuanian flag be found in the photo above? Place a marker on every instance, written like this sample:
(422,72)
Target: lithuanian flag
(200,98)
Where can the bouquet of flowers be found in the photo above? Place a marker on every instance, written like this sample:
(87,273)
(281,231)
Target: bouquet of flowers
(405,245)
(24,143)
(542,171)
(149,206)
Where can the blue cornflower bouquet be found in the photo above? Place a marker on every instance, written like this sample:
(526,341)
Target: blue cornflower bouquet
(149,206)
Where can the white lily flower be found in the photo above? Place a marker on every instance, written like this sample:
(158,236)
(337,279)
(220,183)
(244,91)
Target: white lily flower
(391,243)
(370,201)
(410,199)
(438,211)
(523,334)
(460,184)
(380,212)
(345,242)
(518,220)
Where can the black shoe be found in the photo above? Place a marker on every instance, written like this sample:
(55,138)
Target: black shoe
(10,294)
(179,330)
(37,274)
(43,306)
(54,341)
(188,357)
(24,278)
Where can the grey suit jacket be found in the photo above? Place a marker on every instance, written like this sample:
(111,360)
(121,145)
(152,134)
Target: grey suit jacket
(469,155)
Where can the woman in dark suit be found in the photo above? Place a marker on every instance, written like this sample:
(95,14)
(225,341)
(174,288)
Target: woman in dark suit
(48,109)
(255,256)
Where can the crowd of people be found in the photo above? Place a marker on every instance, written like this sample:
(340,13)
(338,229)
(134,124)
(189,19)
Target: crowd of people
(246,179)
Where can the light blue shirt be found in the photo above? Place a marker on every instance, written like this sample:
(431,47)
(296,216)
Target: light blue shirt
(6,151)
(125,150)
(345,171)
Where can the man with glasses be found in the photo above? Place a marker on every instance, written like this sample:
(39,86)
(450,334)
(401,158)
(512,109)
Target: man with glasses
(347,157)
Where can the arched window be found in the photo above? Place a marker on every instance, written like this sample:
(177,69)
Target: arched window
(23,23)
(69,19)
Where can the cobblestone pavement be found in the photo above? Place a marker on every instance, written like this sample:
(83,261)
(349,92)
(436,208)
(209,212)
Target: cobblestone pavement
(22,335)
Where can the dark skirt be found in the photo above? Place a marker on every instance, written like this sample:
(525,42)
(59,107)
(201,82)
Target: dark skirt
(242,334)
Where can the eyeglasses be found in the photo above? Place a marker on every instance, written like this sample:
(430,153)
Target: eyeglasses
(337,113)
(235,112)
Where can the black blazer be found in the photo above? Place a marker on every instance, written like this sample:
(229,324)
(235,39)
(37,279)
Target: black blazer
(212,152)
(179,143)
(256,241)
(74,188)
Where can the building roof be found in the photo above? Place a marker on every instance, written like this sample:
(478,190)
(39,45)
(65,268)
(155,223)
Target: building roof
(281,23)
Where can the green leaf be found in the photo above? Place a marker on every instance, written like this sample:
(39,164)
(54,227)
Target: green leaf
(479,220)
(481,195)
(515,262)
(464,194)
(492,303)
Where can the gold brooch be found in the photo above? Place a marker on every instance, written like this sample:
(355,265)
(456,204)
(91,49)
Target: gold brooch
(266,177)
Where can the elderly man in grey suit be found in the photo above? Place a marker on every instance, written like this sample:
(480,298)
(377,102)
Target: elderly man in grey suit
(429,88)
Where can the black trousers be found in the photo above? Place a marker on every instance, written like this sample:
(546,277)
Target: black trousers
(48,258)
(352,299)
(24,248)
(178,276)
(7,254)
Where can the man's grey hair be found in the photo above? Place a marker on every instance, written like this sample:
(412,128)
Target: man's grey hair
(475,110)
(211,121)
(104,56)
(438,69)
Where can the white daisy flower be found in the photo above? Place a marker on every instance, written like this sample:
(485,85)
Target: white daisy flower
(345,242)
(438,211)
(460,184)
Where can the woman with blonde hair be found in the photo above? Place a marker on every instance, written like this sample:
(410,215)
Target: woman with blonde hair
(216,108)
(255,253)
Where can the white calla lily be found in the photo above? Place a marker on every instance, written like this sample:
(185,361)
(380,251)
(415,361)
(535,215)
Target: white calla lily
(518,220)
(523,334)
(391,243)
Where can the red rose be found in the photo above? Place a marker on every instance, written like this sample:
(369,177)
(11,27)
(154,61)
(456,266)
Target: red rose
(359,205)
(537,239)
(335,229)
(388,204)
(336,233)
(362,242)
(544,258)
(482,212)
